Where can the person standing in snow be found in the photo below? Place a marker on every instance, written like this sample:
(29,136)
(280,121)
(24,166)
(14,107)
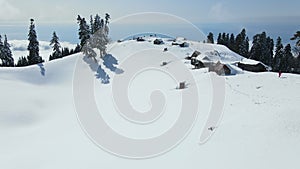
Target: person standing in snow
(279,73)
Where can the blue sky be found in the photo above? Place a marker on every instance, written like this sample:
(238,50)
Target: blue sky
(196,11)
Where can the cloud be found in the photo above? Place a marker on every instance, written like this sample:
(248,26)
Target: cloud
(8,11)
(218,12)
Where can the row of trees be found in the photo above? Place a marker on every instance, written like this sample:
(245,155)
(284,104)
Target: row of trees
(93,35)
(238,44)
(33,48)
(58,51)
(263,49)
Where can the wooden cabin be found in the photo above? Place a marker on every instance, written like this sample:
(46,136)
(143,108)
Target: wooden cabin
(252,68)
(220,69)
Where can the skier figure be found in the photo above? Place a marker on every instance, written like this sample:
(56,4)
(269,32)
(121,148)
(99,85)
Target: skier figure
(279,73)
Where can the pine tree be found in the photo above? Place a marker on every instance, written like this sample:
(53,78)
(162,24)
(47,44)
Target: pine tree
(242,44)
(85,38)
(8,53)
(298,64)
(5,53)
(88,50)
(289,59)
(77,49)
(56,47)
(262,49)
(224,39)
(278,58)
(107,18)
(2,56)
(84,31)
(240,38)
(231,44)
(92,24)
(33,46)
(22,62)
(65,51)
(210,38)
(269,53)
(256,49)
(100,38)
(245,51)
(296,37)
(220,40)
(97,24)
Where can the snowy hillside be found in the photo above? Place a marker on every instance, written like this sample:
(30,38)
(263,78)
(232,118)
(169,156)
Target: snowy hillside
(41,129)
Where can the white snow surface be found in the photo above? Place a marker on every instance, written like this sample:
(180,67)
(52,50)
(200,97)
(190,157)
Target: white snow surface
(39,128)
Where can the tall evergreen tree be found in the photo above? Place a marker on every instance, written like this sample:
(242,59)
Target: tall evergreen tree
(85,38)
(239,40)
(77,48)
(220,40)
(278,58)
(296,37)
(100,38)
(210,38)
(298,64)
(246,47)
(56,47)
(255,52)
(2,56)
(97,24)
(107,18)
(5,53)
(224,39)
(8,53)
(88,50)
(84,31)
(92,24)
(231,44)
(269,53)
(262,48)
(289,59)
(33,46)
(242,44)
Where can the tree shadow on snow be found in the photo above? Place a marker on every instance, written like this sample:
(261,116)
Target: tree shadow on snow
(42,69)
(109,61)
(102,75)
(99,72)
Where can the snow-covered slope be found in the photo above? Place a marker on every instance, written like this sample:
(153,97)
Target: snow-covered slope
(40,129)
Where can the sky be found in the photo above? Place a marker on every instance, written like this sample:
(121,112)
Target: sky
(195,11)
